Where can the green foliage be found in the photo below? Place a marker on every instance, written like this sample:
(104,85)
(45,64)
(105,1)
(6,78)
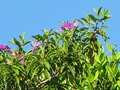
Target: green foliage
(69,60)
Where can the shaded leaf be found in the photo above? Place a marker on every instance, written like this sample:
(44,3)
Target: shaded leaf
(91,57)
(92,17)
(99,10)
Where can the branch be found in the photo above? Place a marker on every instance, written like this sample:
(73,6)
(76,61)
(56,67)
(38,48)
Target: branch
(47,80)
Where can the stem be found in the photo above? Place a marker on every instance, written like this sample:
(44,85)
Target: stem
(47,80)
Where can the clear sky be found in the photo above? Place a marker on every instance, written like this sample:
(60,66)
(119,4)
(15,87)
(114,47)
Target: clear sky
(32,16)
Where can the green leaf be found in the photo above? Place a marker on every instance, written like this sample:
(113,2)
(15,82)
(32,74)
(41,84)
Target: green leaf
(47,74)
(62,68)
(97,58)
(110,72)
(72,70)
(109,47)
(83,28)
(92,17)
(106,17)
(34,71)
(109,58)
(89,87)
(38,37)
(106,27)
(99,10)
(113,56)
(115,70)
(46,64)
(107,12)
(90,77)
(96,75)
(16,71)
(16,78)
(96,12)
(102,56)
(65,46)
(26,42)
(22,38)
(84,20)
(102,13)
(42,76)
(83,23)
(118,83)
(118,55)
(16,41)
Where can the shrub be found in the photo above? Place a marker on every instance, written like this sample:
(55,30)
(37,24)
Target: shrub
(71,58)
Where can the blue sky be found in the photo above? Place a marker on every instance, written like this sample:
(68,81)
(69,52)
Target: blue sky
(32,16)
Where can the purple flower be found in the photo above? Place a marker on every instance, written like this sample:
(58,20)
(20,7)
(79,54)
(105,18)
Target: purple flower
(36,44)
(68,25)
(4,47)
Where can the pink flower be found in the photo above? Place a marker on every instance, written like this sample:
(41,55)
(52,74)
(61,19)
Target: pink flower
(60,29)
(8,63)
(18,56)
(13,53)
(75,23)
(22,61)
(36,44)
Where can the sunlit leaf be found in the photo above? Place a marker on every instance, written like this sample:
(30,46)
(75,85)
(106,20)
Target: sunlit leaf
(16,71)
(115,69)
(110,72)
(96,75)
(107,12)
(47,74)
(46,64)
(90,77)
(96,12)
(118,55)
(109,47)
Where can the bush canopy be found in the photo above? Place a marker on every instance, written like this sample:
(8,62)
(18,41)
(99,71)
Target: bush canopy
(71,58)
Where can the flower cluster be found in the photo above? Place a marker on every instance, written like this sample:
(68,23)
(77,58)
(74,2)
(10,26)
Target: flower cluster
(19,56)
(15,58)
(35,45)
(68,25)
(4,47)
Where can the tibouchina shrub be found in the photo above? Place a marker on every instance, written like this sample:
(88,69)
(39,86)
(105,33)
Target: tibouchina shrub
(71,58)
